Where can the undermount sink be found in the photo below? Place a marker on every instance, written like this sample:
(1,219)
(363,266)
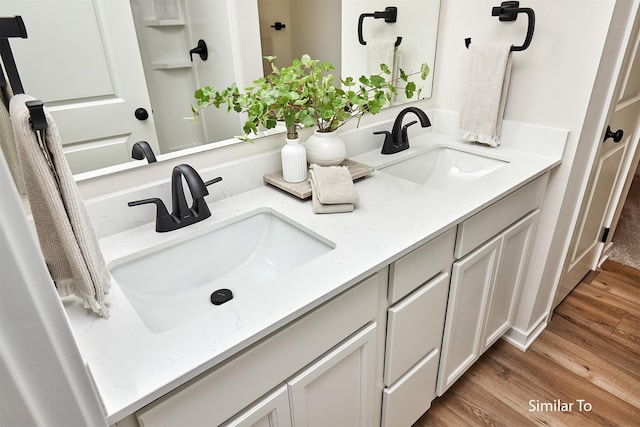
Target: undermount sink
(168,285)
(443,168)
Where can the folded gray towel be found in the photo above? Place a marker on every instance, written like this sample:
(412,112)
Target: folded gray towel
(332,189)
(483,109)
(320,208)
(67,239)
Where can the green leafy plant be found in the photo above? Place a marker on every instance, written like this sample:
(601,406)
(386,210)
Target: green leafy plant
(305,93)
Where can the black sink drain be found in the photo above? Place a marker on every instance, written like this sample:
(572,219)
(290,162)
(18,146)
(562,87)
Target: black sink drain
(221,296)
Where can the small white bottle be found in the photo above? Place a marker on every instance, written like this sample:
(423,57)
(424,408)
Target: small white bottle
(294,161)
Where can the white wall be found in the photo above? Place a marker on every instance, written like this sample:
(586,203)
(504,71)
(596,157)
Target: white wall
(43,380)
(314,25)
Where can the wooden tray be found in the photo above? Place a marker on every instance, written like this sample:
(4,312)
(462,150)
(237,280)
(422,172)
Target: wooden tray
(303,189)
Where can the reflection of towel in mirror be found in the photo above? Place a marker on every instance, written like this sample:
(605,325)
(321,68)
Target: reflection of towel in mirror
(67,239)
(332,189)
(380,51)
(483,109)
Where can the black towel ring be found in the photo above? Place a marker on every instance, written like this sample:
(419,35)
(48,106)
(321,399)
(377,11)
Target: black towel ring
(390,15)
(508,11)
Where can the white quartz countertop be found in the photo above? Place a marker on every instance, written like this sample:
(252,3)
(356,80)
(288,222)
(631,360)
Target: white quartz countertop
(132,366)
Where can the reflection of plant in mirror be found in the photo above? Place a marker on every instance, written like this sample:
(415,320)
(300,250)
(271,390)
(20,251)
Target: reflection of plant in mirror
(305,93)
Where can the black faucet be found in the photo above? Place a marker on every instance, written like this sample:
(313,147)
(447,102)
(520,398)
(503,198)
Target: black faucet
(398,140)
(141,150)
(181,215)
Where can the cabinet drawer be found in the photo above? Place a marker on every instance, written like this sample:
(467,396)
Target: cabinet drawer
(415,268)
(414,327)
(412,395)
(490,221)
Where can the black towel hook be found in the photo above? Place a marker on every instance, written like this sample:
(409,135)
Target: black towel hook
(508,11)
(36,115)
(390,15)
(11,28)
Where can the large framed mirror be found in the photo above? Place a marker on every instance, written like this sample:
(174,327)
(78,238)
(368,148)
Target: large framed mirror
(113,72)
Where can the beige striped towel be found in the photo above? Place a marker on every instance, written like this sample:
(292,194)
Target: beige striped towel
(486,96)
(67,239)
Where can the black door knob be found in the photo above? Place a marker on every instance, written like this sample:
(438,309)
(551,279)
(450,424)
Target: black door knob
(617,135)
(141,114)
(278,26)
(201,50)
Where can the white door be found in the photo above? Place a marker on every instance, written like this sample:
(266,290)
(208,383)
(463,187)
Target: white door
(626,116)
(81,58)
(613,159)
(338,389)
(275,39)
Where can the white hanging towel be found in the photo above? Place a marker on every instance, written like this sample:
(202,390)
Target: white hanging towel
(67,239)
(483,109)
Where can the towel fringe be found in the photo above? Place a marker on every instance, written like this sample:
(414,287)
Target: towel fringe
(482,139)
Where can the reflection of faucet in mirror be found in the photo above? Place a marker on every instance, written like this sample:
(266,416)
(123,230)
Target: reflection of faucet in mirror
(397,140)
(141,150)
(181,215)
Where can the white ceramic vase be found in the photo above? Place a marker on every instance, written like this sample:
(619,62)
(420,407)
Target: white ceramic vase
(325,149)
(294,161)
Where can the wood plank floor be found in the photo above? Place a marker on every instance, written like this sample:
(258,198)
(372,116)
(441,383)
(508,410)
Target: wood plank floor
(590,351)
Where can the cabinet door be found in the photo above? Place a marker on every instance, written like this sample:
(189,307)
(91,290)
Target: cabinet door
(272,411)
(338,389)
(471,280)
(505,291)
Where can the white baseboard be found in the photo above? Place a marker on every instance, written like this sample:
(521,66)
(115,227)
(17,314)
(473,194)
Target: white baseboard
(522,340)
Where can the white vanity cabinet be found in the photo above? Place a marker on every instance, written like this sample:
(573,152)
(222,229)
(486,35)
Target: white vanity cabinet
(319,370)
(418,290)
(485,281)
